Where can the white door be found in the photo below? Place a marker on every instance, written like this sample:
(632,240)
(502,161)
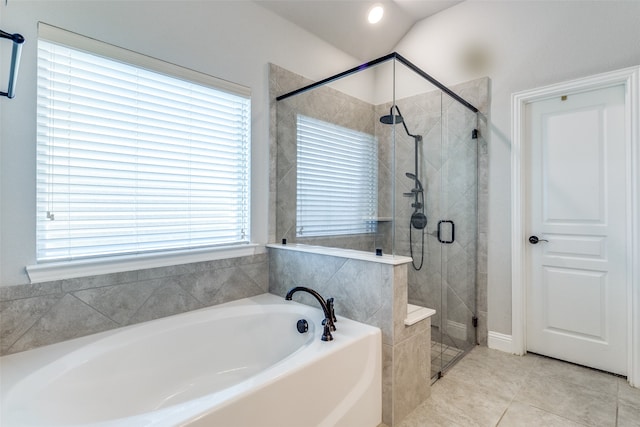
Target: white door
(576,206)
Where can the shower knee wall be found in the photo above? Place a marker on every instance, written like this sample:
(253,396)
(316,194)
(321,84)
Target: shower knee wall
(371,292)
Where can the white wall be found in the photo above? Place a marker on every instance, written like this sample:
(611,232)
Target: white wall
(520,45)
(525,44)
(233,40)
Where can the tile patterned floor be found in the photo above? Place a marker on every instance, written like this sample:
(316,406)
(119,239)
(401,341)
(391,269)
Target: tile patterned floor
(441,356)
(492,388)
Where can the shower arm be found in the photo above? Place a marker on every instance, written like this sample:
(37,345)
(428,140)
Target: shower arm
(417,190)
(406,129)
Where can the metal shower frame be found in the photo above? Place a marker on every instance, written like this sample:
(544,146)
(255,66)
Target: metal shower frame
(418,186)
(393,55)
(419,207)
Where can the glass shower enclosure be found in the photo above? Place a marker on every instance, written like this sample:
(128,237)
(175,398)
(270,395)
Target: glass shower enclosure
(383,157)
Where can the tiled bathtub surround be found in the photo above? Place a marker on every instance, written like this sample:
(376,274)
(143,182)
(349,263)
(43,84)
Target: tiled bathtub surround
(50,312)
(370,292)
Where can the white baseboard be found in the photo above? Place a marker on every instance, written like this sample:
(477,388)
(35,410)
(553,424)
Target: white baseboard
(456,330)
(498,341)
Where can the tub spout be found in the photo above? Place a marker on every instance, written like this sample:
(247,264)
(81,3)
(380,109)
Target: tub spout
(327,308)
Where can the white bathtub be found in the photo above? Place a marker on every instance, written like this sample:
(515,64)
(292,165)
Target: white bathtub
(238,364)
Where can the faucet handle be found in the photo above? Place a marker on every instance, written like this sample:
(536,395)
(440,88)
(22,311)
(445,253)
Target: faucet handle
(328,327)
(332,311)
(328,324)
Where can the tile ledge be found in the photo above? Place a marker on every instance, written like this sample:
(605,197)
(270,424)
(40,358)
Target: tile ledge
(343,253)
(415,313)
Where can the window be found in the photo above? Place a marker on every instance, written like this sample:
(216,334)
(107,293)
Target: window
(337,190)
(135,155)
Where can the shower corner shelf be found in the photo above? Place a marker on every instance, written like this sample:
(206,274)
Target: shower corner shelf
(378,219)
(383,219)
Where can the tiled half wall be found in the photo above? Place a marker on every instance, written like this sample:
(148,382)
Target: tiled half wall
(370,292)
(45,313)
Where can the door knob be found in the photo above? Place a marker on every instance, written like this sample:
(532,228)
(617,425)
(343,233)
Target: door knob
(534,240)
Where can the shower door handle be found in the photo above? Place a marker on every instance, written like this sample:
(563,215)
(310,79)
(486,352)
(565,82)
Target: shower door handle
(453,231)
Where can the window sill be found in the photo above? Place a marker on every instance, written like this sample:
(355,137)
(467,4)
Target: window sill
(92,267)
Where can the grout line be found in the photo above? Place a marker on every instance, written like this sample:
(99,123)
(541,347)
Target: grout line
(503,414)
(33,325)
(135,313)
(117,324)
(73,294)
(617,403)
(515,394)
(531,373)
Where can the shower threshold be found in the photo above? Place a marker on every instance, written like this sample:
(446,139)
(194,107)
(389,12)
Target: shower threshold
(443,357)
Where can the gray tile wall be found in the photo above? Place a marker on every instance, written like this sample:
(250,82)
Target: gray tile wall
(371,293)
(449,159)
(45,313)
(328,105)
(362,290)
(453,168)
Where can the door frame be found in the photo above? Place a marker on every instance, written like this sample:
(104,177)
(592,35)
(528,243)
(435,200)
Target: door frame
(630,78)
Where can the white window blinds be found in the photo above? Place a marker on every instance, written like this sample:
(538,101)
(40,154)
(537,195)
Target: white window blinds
(337,190)
(135,161)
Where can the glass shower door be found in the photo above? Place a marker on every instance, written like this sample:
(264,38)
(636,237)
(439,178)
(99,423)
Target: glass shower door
(456,234)
(435,175)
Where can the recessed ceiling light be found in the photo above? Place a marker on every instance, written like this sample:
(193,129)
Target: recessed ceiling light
(375,13)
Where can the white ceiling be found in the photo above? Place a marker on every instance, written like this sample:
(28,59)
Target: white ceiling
(343,23)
